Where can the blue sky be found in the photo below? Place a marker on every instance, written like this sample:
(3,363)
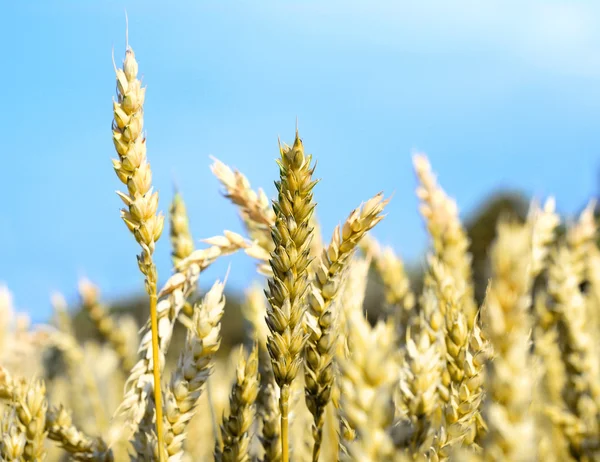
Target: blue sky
(499,94)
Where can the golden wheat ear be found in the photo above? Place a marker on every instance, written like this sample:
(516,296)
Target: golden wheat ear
(321,323)
(141,204)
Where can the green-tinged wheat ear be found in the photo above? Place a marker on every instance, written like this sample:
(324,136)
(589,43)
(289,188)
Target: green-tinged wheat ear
(288,288)
(321,325)
(236,429)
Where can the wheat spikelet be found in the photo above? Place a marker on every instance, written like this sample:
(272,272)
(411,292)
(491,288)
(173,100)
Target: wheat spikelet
(13,440)
(29,401)
(319,350)
(289,261)
(226,244)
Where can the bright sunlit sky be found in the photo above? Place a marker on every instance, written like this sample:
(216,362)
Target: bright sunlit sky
(499,94)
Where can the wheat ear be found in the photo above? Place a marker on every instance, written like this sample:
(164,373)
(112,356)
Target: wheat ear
(450,240)
(236,428)
(320,347)
(193,368)
(367,388)
(80,446)
(141,203)
(506,318)
(182,244)
(289,262)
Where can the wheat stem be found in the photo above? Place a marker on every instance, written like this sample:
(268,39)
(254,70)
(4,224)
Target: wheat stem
(156,373)
(284,400)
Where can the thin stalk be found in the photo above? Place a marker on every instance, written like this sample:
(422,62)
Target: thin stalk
(156,372)
(317,444)
(284,400)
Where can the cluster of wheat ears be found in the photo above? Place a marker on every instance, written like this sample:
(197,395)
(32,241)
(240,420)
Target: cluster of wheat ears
(438,377)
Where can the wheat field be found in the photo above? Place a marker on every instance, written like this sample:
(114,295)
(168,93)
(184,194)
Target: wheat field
(437,377)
